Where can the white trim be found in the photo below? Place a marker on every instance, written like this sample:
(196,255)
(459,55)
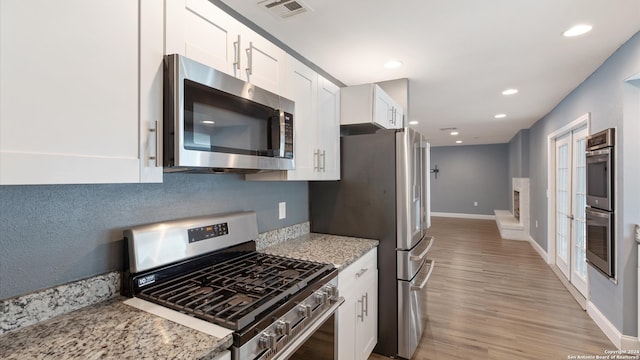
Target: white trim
(620,341)
(543,254)
(464,216)
(551,175)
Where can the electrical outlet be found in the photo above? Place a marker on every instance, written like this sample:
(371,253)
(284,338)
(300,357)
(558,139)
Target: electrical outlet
(282,210)
(475,203)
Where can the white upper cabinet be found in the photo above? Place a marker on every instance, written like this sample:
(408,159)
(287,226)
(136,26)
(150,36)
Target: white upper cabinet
(369,104)
(316,126)
(328,129)
(203,32)
(75,106)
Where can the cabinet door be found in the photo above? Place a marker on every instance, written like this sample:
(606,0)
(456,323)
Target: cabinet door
(347,324)
(203,32)
(264,63)
(302,88)
(328,129)
(367,324)
(69,92)
(382,108)
(398,122)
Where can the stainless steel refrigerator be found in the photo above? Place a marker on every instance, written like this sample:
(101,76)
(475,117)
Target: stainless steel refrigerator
(382,195)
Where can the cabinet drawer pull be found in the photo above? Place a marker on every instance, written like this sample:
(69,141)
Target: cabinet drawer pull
(366,304)
(361,272)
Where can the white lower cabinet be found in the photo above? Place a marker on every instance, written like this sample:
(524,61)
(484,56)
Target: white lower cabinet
(358,316)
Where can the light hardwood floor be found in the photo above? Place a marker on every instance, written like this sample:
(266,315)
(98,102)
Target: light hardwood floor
(490,298)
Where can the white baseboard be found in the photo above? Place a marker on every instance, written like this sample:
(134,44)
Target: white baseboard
(622,342)
(464,216)
(539,249)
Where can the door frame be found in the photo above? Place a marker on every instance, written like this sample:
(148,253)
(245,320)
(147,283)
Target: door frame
(581,121)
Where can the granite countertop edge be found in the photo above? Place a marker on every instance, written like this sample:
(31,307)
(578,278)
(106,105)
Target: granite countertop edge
(341,251)
(137,332)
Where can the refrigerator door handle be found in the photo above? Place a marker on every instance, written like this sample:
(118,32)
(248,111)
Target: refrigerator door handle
(424,252)
(426,278)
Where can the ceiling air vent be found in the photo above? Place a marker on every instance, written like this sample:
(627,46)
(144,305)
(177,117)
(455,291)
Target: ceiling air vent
(284,9)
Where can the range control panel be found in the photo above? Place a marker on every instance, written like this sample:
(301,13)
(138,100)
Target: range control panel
(208,232)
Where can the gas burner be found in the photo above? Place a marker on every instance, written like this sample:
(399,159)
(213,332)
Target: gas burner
(203,290)
(289,273)
(239,300)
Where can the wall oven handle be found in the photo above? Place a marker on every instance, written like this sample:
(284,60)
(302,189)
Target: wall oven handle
(426,279)
(424,252)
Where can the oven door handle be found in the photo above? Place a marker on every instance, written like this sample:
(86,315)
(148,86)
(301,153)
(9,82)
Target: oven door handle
(308,331)
(426,278)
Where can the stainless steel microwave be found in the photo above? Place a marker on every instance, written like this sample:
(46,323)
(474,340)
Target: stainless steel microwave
(600,167)
(214,122)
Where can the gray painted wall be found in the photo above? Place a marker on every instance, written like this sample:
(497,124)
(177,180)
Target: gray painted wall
(470,173)
(518,158)
(53,234)
(603,95)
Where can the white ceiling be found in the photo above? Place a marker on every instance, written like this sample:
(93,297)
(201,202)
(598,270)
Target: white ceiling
(459,55)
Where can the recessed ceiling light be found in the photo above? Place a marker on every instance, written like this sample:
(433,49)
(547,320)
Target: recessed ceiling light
(393,64)
(454,133)
(577,30)
(458,141)
(500,116)
(510,92)
(413,122)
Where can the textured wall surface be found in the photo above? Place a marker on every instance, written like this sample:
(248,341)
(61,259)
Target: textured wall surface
(469,174)
(53,234)
(606,96)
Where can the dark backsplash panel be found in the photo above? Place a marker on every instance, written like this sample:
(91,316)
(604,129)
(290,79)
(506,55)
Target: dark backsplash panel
(53,234)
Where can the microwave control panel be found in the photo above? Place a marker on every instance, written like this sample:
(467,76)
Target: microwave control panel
(601,139)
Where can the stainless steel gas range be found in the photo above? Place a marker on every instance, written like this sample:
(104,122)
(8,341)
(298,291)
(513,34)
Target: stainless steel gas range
(208,268)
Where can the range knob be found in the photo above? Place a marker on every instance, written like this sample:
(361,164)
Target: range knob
(321,297)
(331,290)
(267,340)
(304,310)
(283,327)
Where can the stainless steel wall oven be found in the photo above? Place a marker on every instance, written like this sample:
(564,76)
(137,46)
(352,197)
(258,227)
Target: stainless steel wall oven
(600,232)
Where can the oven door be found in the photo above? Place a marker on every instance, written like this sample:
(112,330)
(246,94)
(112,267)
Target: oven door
(600,179)
(600,244)
(412,310)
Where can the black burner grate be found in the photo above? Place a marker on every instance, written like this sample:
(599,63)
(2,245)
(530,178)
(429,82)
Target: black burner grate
(235,292)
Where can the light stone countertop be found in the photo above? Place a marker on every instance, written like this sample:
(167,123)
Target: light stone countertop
(337,250)
(110,330)
(113,330)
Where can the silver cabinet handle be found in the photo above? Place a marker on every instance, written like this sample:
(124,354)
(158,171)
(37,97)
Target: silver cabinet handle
(366,304)
(361,315)
(236,53)
(250,58)
(570,217)
(153,129)
(361,272)
(316,160)
(324,160)
(426,279)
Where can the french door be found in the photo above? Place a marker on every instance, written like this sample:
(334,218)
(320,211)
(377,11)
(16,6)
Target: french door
(570,195)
